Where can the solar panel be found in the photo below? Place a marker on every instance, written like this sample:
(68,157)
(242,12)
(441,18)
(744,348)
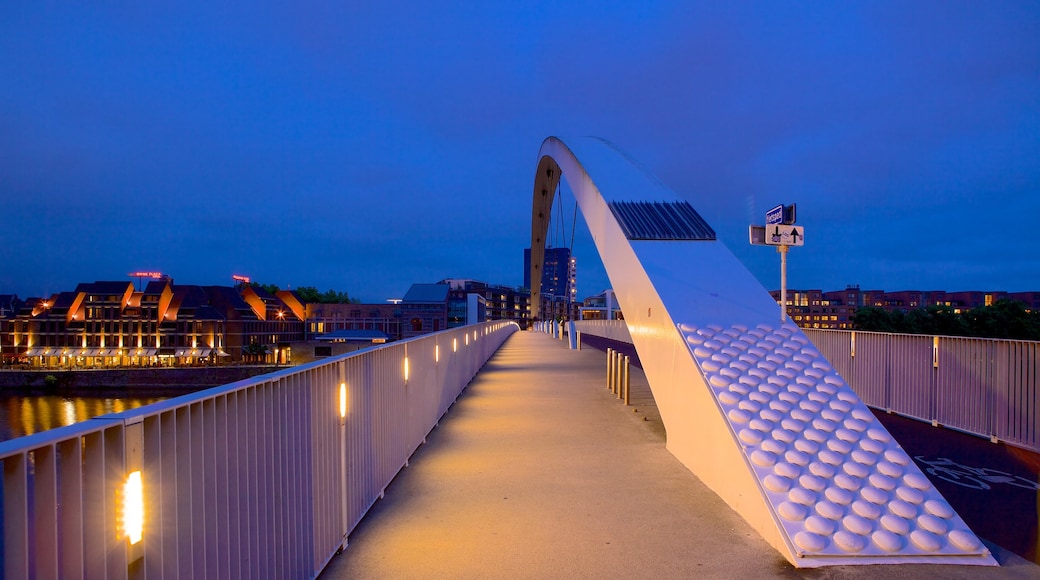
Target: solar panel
(642,220)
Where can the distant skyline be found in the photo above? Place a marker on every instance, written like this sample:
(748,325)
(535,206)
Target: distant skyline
(364,148)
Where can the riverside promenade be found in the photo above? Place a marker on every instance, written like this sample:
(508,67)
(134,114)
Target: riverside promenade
(538,471)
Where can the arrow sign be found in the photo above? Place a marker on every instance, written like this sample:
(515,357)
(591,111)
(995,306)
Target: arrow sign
(781,235)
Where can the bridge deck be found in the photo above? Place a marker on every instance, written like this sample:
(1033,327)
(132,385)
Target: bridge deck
(539,472)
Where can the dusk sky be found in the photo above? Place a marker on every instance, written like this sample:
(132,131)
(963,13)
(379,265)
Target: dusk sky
(366,146)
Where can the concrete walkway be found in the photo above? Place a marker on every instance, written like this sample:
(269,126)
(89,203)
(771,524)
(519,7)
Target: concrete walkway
(538,471)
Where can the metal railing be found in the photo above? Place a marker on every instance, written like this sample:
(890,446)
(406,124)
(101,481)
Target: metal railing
(263,478)
(610,329)
(987,387)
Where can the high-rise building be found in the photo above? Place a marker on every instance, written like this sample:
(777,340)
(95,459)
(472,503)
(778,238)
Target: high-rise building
(559,289)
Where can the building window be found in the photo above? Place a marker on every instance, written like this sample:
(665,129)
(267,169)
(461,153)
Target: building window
(416,325)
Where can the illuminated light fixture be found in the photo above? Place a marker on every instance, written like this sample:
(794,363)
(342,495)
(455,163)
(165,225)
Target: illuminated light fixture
(405,368)
(454,345)
(436,353)
(467,339)
(133,507)
(342,400)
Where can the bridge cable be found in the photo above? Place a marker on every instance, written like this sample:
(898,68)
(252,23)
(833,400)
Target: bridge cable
(559,199)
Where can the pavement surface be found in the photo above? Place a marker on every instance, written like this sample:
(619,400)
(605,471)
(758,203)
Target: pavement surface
(538,471)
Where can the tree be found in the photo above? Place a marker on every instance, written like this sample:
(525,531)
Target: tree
(872,318)
(1005,318)
(254,349)
(311,295)
(269,288)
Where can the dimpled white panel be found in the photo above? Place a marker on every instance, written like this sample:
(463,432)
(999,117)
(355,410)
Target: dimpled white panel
(837,482)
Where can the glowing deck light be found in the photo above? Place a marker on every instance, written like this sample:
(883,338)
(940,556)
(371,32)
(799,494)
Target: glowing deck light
(133,507)
(406,368)
(436,353)
(455,345)
(342,400)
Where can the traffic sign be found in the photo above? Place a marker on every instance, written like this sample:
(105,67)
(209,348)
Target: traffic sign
(757,235)
(781,235)
(775,215)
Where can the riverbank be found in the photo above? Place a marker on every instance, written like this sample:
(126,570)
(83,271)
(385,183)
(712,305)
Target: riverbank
(125,381)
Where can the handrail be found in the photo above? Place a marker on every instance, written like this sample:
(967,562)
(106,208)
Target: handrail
(987,387)
(262,477)
(982,386)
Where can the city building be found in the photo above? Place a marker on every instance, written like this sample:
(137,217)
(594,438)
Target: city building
(602,306)
(472,301)
(559,289)
(326,319)
(836,309)
(9,307)
(1030,299)
(424,309)
(110,324)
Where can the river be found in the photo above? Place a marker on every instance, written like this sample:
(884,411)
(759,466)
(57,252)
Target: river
(22,415)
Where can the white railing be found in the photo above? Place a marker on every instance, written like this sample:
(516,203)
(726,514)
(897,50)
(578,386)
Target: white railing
(984,386)
(987,387)
(263,478)
(610,329)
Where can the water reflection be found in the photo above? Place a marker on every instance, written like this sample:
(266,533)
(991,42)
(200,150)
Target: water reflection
(25,415)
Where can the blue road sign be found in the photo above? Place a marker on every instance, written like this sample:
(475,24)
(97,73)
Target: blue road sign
(775,215)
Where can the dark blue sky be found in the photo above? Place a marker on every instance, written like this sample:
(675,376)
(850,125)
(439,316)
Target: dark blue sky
(364,148)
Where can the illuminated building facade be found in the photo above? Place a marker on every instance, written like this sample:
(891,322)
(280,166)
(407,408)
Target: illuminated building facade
(835,309)
(110,324)
(602,306)
(473,301)
(326,319)
(559,289)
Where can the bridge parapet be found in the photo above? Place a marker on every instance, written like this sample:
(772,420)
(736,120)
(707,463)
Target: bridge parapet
(265,476)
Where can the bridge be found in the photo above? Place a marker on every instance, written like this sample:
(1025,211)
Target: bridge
(269,477)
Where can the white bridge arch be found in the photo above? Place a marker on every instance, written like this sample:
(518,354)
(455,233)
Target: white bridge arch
(749,404)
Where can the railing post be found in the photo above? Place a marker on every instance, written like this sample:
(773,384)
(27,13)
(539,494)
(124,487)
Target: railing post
(627,381)
(618,375)
(610,369)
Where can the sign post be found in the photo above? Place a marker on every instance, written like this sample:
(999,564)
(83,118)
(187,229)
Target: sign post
(781,232)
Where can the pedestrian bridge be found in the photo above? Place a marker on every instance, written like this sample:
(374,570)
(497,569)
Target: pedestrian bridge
(268,477)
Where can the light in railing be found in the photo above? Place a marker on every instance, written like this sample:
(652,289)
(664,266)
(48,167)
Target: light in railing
(342,400)
(467,339)
(133,507)
(455,345)
(406,369)
(436,353)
